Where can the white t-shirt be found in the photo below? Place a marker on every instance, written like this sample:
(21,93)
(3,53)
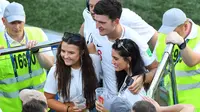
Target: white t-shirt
(51,85)
(3,4)
(104,48)
(125,94)
(128,18)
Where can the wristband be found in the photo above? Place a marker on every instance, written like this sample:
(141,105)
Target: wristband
(183,45)
(35,50)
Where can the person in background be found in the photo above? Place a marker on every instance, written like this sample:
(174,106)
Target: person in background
(150,105)
(33,101)
(24,69)
(72,76)
(3,4)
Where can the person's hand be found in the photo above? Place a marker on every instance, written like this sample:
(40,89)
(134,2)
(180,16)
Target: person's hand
(31,44)
(175,38)
(1,47)
(152,101)
(72,107)
(75,109)
(100,107)
(137,84)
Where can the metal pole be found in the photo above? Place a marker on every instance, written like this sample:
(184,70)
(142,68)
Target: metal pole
(24,48)
(160,70)
(173,81)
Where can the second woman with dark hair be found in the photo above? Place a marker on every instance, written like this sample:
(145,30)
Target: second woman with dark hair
(128,63)
(73,75)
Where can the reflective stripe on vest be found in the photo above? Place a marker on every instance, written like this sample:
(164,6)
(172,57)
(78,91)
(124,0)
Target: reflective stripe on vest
(187,73)
(22,78)
(188,86)
(16,93)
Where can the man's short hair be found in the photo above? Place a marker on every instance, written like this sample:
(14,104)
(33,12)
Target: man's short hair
(110,8)
(34,106)
(143,106)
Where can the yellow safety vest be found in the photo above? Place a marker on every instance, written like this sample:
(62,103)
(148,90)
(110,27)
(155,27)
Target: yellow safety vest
(10,85)
(187,78)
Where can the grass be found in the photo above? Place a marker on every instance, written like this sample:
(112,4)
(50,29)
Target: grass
(66,15)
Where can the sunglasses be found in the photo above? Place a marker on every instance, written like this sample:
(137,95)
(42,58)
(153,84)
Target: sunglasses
(120,44)
(68,35)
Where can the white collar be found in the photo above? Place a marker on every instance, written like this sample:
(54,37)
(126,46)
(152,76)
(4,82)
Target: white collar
(123,32)
(12,41)
(194,31)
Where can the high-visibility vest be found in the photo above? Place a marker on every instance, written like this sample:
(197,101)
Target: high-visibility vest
(10,85)
(187,78)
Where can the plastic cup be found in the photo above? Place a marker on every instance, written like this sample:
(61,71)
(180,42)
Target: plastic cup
(100,94)
(80,102)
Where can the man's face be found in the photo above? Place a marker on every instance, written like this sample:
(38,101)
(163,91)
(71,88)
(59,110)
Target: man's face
(181,30)
(14,28)
(92,4)
(104,24)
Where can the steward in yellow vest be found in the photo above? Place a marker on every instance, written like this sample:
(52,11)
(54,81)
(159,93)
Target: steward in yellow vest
(23,69)
(186,54)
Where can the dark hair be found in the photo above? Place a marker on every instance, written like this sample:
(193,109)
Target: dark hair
(63,72)
(34,106)
(110,8)
(128,48)
(143,106)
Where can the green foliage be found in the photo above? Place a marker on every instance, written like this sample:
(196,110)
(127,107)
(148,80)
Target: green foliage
(58,15)
(66,15)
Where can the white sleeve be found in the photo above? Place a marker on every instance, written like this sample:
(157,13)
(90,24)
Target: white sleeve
(97,65)
(134,21)
(145,51)
(46,50)
(51,85)
(154,52)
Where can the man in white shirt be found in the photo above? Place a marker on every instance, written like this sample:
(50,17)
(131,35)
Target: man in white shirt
(107,15)
(128,18)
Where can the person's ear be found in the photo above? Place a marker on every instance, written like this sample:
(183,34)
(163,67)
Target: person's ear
(116,21)
(3,20)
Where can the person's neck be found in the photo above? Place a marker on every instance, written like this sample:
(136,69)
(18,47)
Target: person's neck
(76,65)
(18,37)
(128,71)
(189,28)
(116,33)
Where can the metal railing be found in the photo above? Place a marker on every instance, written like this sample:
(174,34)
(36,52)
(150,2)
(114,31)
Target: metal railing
(24,48)
(166,60)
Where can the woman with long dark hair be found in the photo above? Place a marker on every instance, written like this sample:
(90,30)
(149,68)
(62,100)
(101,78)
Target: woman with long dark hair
(72,76)
(128,63)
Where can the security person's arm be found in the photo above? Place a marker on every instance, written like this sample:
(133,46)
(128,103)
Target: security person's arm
(44,60)
(190,57)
